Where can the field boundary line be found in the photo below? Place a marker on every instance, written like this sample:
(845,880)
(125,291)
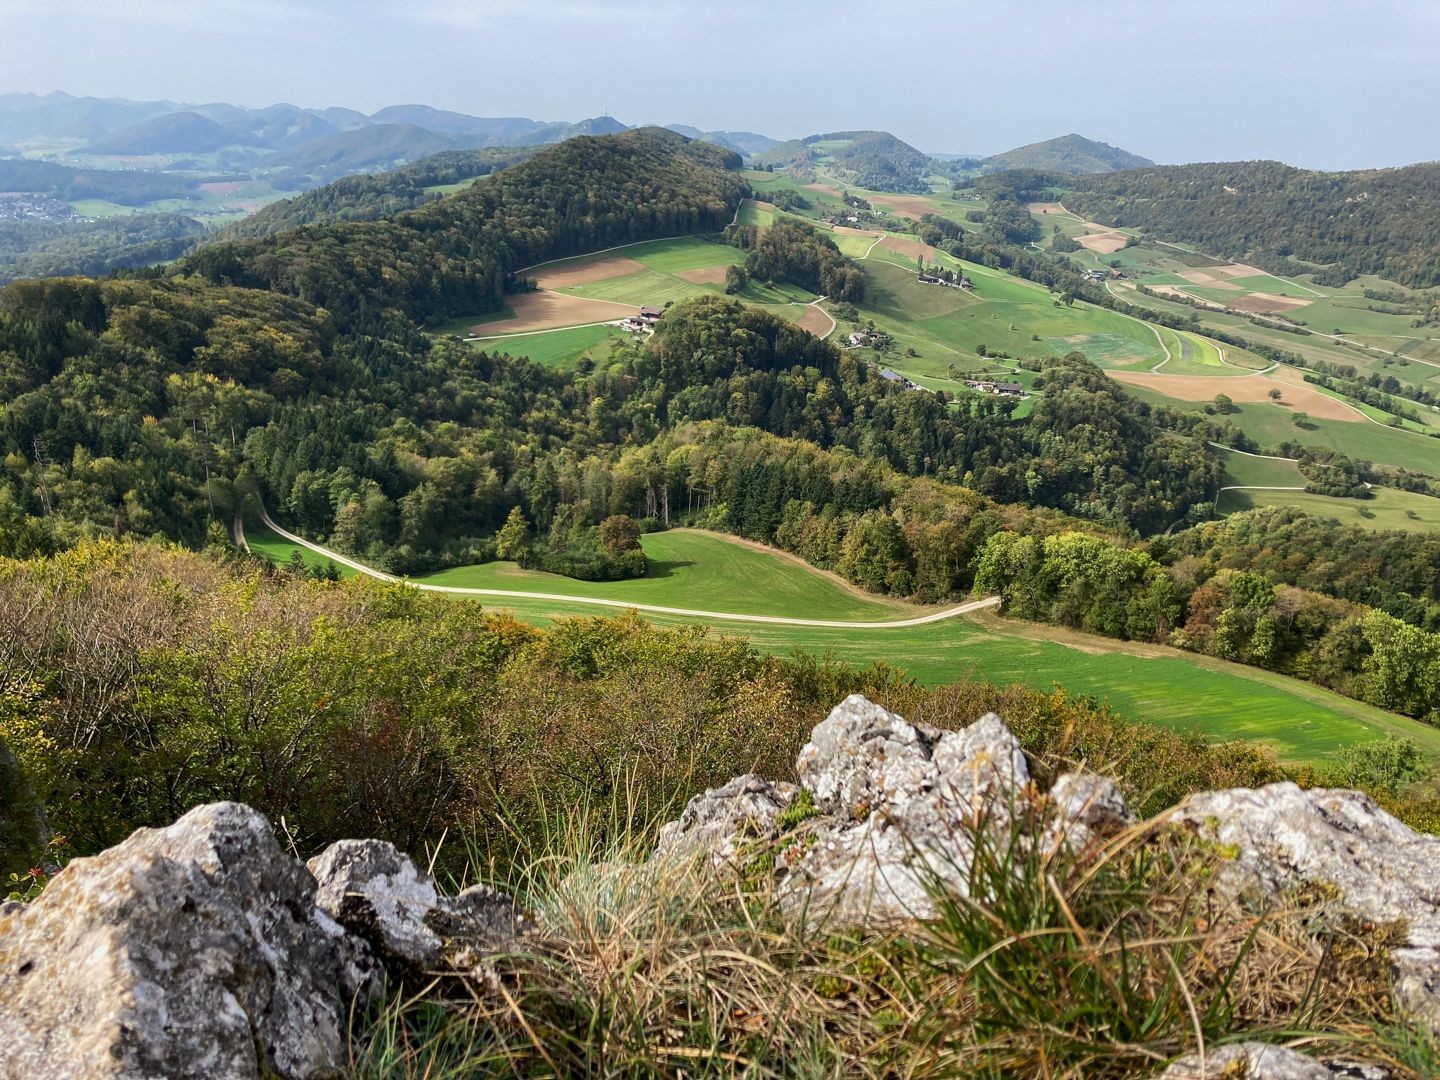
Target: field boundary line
(718,616)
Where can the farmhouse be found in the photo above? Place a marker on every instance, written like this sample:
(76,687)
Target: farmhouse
(1095,275)
(1007,389)
(651,314)
(896,379)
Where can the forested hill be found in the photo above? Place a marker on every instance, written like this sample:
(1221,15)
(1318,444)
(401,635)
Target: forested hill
(369,196)
(1339,225)
(453,257)
(1071,154)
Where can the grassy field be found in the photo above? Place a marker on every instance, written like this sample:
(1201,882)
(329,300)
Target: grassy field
(273,546)
(1249,469)
(1386,509)
(1149,683)
(558,348)
(704,571)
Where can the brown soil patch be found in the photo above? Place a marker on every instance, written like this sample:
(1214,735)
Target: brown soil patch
(1207,280)
(911,248)
(563,275)
(550,310)
(1046,208)
(1231,270)
(1267,303)
(705,275)
(1171,290)
(1245,389)
(811,318)
(1106,243)
(826,189)
(905,206)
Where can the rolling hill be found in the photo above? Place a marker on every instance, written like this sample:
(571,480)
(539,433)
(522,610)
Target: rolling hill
(173,133)
(1071,154)
(871,159)
(364,149)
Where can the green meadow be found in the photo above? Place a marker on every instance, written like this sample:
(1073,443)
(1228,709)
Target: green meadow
(1387,508)
(558,348)
(1254,470)
(1158,685)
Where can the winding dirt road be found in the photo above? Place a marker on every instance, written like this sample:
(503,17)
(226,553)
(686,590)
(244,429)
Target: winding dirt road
(726,616)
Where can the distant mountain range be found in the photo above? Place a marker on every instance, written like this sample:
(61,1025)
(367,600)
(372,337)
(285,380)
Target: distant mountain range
(321,144)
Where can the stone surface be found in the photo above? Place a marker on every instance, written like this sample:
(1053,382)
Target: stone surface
(723,819)
(1380,870)
(376,892)
(1087,807)
(898,808)
(190,951)
(1260,1061)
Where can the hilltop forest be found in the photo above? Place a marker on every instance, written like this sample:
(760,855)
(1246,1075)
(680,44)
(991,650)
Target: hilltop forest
(1288,220)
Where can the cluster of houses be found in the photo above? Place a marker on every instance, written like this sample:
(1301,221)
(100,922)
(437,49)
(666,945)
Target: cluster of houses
(644,321)
(961,282)
(894,378)
(1101,275)
(30,206)
(1004,389)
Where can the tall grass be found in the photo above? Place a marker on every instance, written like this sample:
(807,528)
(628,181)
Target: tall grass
(1104,964)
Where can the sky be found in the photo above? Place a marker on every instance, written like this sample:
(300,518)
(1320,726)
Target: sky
(1324,83)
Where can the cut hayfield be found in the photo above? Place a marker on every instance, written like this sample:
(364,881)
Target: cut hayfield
(551,310)
(912,249)
(1245,389)
(1263,303)
(1229,270)
(1206,280)
(814,320)
(705,275)
(826,189)
(846,230)
(564,275)
(1105,243)
(905,206)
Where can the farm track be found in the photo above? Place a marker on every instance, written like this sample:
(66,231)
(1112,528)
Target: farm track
(719,616)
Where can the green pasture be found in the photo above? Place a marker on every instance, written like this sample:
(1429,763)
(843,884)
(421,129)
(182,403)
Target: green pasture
(1163,686)
(271,545)
(704,571)
(1251,469)
(557,348)
(1387,508)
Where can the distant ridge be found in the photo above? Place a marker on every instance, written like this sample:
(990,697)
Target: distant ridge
(1072,154)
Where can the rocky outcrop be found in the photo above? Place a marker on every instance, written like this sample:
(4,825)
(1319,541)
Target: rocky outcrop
(380,895)
(203,950)
(899,807)
(1261,1061)
(1280,838)
(191,951)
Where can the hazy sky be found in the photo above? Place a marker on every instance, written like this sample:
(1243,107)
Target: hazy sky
(1323,83)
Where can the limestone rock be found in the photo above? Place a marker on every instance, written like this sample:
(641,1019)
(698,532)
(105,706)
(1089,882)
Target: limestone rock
(378,893)
(722,819)
(1380,869)
(190,951)
(1262,1061)
(1087,806)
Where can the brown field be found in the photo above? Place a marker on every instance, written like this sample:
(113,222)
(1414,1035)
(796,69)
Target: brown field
(563,275)
(551,310)
(1046,208)
(224,187)
(910,248)
(812,319)
(705,275)
(826,189)
(1229,270)
(1262,303)
(1245,389)
(905,206)
(1105,243)
(1171,290)
(1206,280)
